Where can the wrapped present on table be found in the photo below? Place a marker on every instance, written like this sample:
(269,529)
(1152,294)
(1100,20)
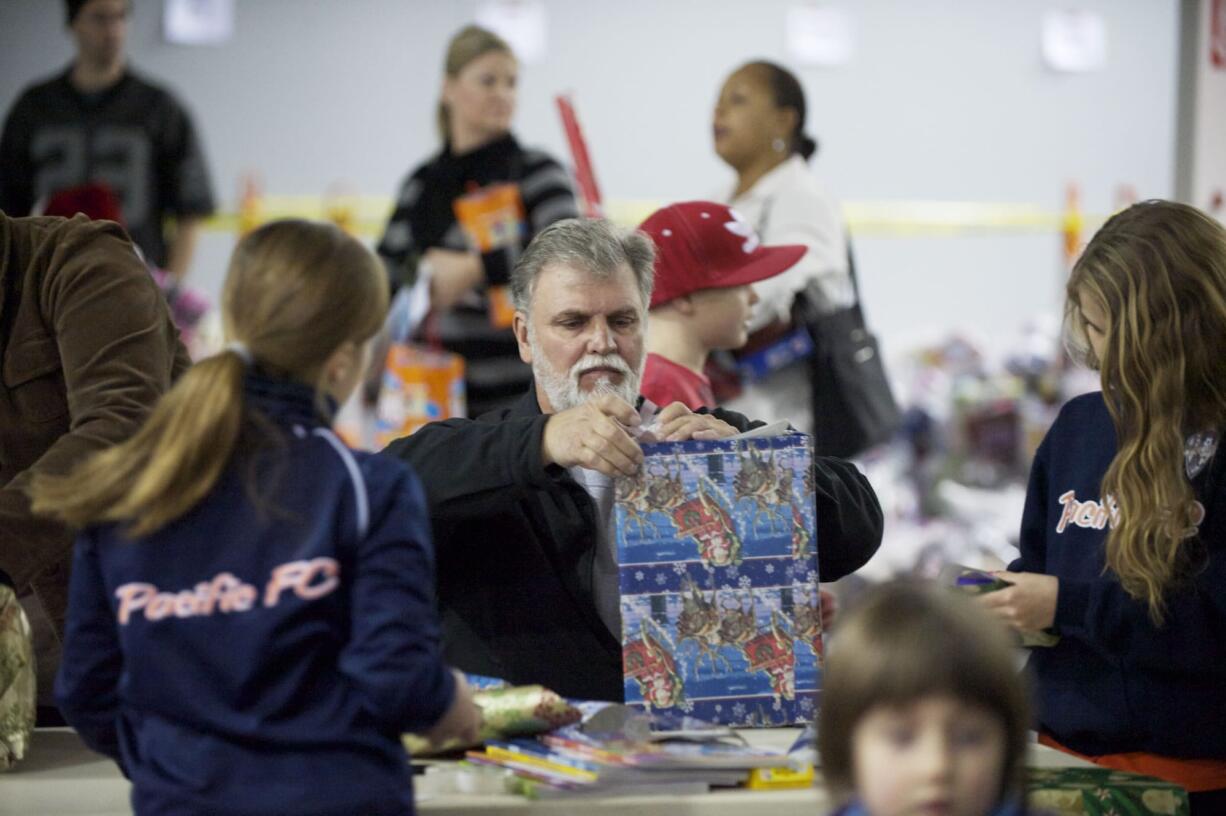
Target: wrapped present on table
(1102,791)
(17,685)
(717,554)
(506,711)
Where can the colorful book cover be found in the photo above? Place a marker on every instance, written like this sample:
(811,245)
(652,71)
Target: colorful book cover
(717,556)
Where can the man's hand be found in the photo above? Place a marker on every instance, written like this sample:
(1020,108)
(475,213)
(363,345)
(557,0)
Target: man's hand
(1027,606)
(676,423)
(593,435)
(461,721)
(452,275)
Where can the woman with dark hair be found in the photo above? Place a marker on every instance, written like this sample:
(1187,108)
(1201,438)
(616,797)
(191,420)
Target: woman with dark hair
(759,132)
(462,218)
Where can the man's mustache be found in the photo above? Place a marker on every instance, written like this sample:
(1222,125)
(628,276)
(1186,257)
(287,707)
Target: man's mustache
(611,361)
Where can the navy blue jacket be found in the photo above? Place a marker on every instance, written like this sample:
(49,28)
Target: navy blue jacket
(262,653)
(1116,683)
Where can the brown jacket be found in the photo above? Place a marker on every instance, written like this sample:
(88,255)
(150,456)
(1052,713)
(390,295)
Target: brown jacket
(86,348)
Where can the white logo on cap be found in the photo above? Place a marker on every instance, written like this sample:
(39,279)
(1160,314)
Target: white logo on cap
(739,226)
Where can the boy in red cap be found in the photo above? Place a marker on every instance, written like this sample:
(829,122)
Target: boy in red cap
(707,257)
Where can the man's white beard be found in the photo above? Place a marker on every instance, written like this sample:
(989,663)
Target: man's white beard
(562,388)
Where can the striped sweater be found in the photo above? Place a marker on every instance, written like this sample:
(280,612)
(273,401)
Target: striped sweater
(425,217)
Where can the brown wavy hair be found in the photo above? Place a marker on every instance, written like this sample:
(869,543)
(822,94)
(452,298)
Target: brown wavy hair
(1158,270)
(295,292)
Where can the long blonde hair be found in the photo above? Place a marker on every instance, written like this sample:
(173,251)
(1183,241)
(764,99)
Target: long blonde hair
(1159,270)
(470,43)
(295,292)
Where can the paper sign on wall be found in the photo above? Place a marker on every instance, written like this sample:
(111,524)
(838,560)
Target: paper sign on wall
(198,22)
(522,23)
(819,35)
(1074,40)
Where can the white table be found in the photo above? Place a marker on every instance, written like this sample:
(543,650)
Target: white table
(61,777)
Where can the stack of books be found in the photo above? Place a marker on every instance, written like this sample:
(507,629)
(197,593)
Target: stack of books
(572,762)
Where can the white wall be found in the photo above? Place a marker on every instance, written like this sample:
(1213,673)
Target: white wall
(945,99)
(1209,145)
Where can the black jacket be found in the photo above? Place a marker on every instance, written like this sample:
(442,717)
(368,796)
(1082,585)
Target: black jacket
(515,542)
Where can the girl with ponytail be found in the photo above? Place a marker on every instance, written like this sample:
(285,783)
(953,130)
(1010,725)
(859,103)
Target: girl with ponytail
(251,619)
(1123,539)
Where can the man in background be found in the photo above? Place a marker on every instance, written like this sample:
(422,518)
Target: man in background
(100,123)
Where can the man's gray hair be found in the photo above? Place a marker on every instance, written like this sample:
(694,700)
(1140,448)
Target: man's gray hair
(593,245)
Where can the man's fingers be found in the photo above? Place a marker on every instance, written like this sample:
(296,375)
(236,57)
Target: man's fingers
(996,600)
(613,455)
(616,407)
(608,461)
(616,436)
(672,412)
(681,425)
(695,426)
(686,428)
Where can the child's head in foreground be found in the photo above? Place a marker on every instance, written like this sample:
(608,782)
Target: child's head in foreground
(923,708)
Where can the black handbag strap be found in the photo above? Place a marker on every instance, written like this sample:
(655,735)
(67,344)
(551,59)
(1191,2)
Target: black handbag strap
(851,268)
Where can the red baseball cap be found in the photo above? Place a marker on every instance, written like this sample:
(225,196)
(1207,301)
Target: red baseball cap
(705,245)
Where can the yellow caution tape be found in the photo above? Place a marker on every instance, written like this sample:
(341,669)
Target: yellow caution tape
(368,215)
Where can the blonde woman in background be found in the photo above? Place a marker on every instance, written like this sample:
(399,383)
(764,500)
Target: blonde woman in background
(463,218)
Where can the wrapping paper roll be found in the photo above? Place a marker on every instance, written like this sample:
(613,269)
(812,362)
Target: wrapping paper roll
(514,711)
(17,686)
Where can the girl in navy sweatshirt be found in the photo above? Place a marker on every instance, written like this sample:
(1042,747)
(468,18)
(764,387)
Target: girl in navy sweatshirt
(251,622)
(1123,540)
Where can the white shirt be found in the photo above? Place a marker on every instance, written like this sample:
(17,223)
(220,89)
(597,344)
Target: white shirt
(789,205)
(606,589)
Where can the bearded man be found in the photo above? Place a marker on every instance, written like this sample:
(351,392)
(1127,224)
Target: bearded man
(521,499)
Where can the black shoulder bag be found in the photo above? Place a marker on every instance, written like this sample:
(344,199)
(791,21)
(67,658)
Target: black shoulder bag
(853,407)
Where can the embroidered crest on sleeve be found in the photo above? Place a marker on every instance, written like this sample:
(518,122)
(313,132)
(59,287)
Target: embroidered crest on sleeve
(1197,452)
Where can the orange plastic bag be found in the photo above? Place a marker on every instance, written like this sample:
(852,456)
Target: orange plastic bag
(419,385)
(493,217)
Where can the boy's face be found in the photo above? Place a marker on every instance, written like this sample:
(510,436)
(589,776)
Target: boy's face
(937,757)
(722,315)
